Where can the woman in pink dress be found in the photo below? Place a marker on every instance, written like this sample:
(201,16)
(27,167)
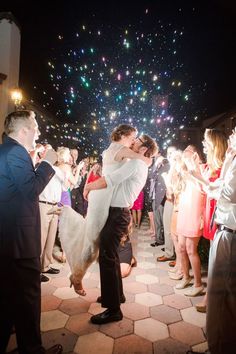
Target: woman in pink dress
(189,227)
(137,209)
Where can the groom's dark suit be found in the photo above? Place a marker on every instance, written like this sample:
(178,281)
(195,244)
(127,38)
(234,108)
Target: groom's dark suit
(20,246)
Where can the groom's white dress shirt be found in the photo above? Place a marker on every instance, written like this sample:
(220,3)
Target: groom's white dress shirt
(128,181)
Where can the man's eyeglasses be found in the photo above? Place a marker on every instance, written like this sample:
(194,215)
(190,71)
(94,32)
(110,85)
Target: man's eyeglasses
(143,142)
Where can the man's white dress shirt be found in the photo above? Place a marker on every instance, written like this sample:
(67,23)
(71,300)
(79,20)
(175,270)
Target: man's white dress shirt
(128,180)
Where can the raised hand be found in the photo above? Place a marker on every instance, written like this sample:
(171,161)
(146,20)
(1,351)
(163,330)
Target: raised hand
(50,156)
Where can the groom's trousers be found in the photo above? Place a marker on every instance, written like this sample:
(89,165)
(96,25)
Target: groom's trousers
(111,282)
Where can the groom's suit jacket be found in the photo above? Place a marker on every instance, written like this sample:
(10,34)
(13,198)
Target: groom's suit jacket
(20,186)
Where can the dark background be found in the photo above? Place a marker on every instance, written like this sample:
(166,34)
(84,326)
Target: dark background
(209,43)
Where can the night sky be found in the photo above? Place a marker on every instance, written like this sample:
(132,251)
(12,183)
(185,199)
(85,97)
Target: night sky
(159,65)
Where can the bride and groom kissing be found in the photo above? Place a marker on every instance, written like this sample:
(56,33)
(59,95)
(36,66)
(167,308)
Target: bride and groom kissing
(109,201)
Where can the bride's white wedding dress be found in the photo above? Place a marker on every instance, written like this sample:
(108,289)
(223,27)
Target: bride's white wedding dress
(80,237)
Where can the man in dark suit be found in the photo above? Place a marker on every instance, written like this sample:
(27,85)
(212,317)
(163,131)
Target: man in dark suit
(158,193)
(20,243)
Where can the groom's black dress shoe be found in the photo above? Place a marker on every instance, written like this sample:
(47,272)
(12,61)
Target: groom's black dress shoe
(107,316)
(52,271)
(43,278)
(122,299)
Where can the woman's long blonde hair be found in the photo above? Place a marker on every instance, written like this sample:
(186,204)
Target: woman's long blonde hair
(216,153)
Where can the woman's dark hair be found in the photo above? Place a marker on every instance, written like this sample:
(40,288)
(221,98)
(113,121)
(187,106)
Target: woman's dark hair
(150,144)
(122,130)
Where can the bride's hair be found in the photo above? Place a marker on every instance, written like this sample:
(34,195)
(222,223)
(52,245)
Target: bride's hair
(122,130)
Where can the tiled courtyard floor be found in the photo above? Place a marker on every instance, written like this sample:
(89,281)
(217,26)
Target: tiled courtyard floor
(157,318)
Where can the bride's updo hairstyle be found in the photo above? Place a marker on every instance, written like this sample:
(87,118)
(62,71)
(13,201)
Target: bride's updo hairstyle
(122,130)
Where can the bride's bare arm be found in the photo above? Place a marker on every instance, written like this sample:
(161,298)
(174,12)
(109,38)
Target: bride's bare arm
(98,184)
(126,153)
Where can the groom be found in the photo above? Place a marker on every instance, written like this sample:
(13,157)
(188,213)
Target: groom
(128,181)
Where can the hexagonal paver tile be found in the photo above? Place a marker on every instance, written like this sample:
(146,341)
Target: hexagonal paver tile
(118,329)
(92,294)
(161,273)
(87,275)
(95,308)
(65,293)
(143,245)
(135,288)
(170,346)
(94,267)
(49,302)
(167,280)
(129,298)
(130,279)
(135,311)
(177,301)
(186,333)
(80,324)
(74,306)
(90,283)
(64,270)
(151,329)
(165,314)
(163,265)
(140,261)
(47,289)
(148,299)
(61,282)
(95,276)
(147,279)
(132,344)
(146,265)
(66,338)
(53,320)
(94,343)
(191,315)
(144,254)
(161,289)
(138,271)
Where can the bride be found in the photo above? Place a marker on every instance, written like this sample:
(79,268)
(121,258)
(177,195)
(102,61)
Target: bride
(80,237)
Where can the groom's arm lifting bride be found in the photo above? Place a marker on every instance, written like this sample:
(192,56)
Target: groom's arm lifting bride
(127,181)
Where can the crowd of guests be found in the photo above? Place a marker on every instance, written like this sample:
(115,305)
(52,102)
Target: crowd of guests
(181,209)
(186,196)
(66,188)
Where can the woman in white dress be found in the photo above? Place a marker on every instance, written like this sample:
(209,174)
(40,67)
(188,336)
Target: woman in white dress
(80,237)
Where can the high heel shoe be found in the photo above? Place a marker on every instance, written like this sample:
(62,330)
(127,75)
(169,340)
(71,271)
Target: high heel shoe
(78,287)
(55,210)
